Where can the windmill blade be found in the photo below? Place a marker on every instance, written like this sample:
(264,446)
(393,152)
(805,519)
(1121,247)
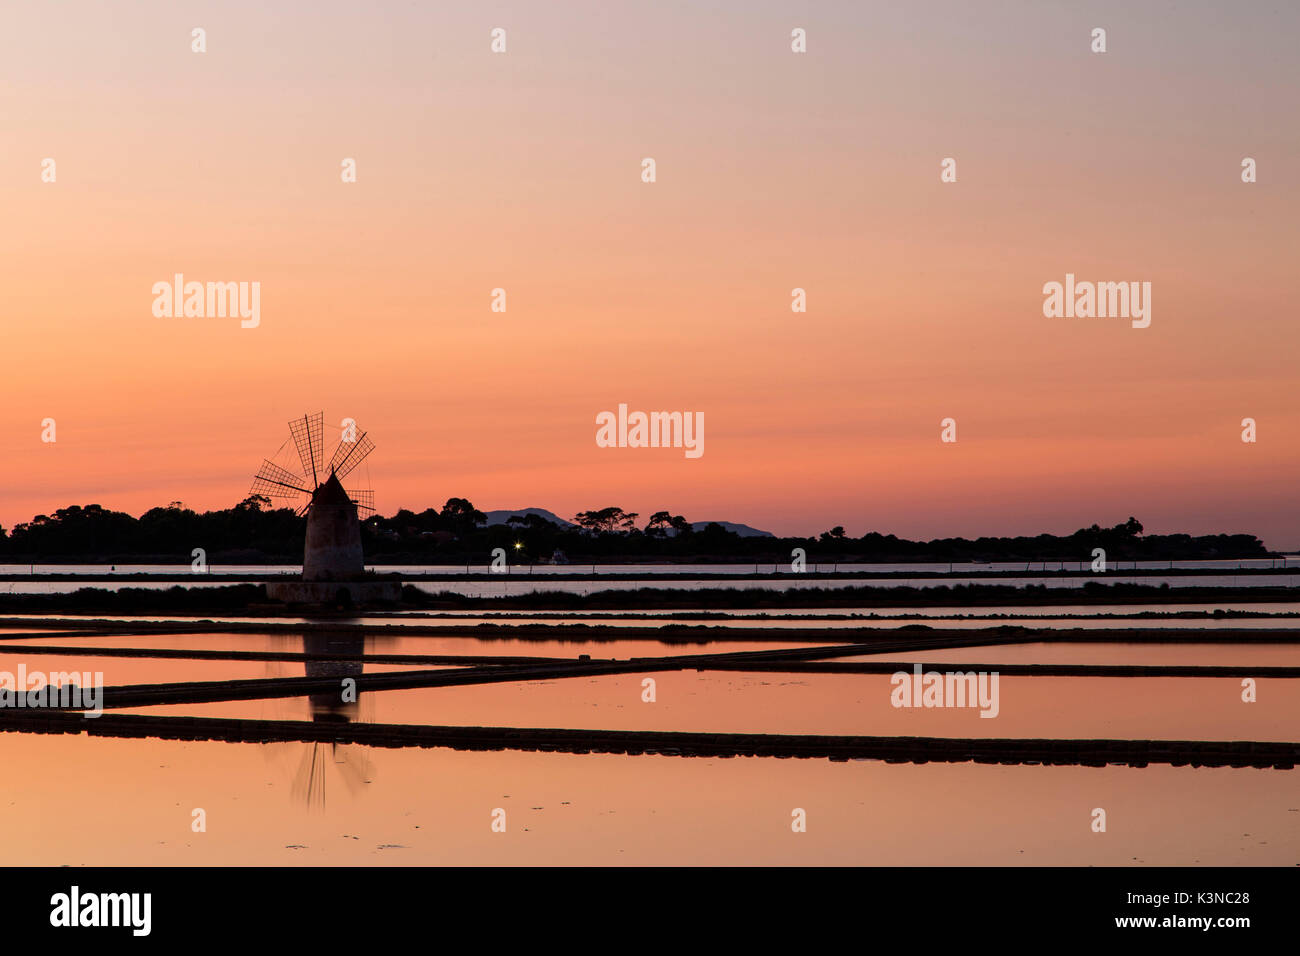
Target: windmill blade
(349,454)
(276,482)
(309,782)
(270,471)
(364,499)
(308,437)
(274,489)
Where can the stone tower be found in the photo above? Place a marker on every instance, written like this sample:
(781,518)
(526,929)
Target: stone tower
(333,551)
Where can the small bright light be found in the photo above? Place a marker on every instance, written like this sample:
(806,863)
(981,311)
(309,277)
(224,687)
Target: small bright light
(519,545)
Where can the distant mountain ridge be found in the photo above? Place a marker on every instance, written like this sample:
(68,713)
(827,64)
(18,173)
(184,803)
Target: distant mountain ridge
(502,516)
(744,530)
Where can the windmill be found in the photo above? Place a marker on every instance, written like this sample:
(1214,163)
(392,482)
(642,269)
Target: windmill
(307,434)
(333,548)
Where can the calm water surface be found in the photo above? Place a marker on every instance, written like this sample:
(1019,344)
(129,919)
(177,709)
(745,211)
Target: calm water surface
(102,800)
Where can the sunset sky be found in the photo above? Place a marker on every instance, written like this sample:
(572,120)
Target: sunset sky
(775,170)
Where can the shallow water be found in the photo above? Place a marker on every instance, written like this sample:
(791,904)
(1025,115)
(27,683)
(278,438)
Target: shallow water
(1263,655)
(99,801)
(515,588)
(517,585)
(1019,610)
(853,704)
(972,616)
(419,644)
(944,567)
(105,800)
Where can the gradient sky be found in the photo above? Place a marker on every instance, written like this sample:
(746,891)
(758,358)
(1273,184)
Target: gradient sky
(775,170)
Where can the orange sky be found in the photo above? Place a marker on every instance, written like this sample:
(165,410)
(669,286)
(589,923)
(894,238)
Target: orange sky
(775,170)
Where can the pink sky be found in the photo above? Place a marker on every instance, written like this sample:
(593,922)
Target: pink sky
(775,170)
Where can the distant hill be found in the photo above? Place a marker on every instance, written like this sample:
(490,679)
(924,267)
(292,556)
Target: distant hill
(744,530)
(501,517)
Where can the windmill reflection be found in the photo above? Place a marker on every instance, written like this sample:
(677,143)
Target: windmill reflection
(337,706)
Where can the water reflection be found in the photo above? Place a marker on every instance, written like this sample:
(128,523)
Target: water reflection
(336,706)
(319,760)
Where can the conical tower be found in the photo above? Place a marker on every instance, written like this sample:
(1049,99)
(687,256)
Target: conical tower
(333,551)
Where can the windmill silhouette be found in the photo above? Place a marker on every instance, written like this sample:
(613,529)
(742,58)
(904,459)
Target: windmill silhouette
(333,566)
(307,434)
(332,552)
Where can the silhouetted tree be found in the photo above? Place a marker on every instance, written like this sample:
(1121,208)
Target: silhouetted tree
(606,520)
(460,517)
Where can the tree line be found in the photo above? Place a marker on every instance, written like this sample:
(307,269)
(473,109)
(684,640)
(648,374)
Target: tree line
(255,532)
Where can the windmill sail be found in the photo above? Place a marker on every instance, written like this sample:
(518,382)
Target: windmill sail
(364,499)
(275,482)
(307,433)
(308,437)
(350,454)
